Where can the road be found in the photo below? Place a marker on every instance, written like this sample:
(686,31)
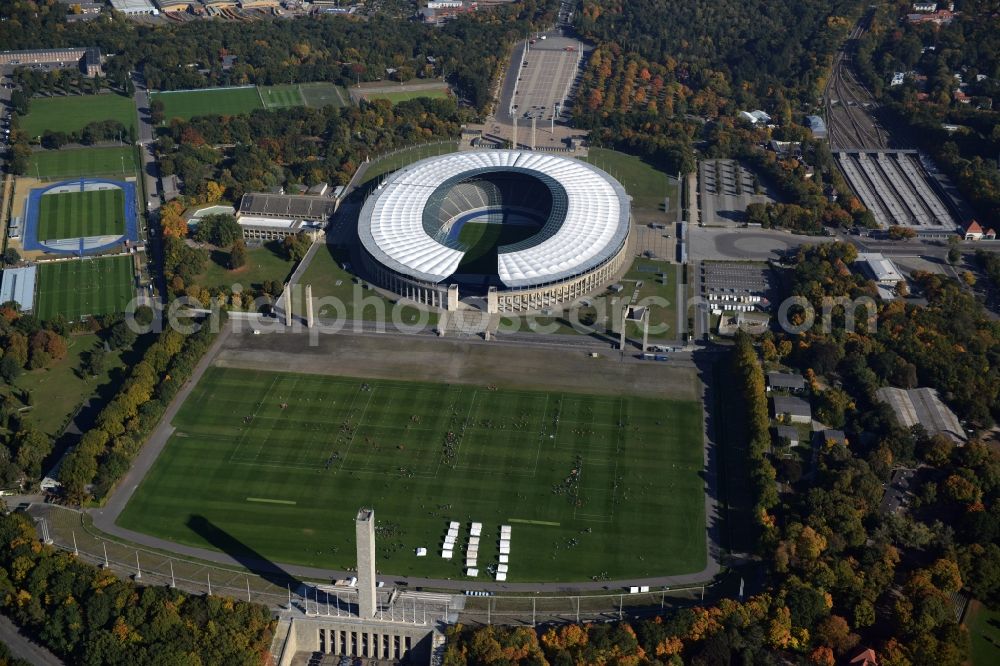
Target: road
(23,647)
(147,134)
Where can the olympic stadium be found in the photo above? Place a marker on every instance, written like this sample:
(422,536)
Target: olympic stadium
(523,230)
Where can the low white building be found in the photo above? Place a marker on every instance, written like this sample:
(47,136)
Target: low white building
(257,228)
(135,7)
(876,267)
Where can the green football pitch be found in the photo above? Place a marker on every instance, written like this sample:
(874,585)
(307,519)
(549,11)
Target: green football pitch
(483,239)
(84,287)
(277,465)
(280,97)
(211,101)
(73,113)
(65,163)
(75,214)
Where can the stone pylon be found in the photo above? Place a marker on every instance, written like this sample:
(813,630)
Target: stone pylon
(310,319)
(364,529)
(287,298)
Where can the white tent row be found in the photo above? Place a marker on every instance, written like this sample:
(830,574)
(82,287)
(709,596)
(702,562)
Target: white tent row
(476,530)
(501,577)
(502,568)
(453,525)
(472,571)
(504,559)
(505,550)
(446,553)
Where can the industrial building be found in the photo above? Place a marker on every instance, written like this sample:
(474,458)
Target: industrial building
(135,7)
(922,406)
(18,285)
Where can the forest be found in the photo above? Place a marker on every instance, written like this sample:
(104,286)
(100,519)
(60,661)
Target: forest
(952,78)
(661,70)
(468,52)
(90,617)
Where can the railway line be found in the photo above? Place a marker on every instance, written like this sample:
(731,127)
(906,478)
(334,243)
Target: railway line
(850,125)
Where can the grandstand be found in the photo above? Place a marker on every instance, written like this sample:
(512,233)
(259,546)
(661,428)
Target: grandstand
(558,229)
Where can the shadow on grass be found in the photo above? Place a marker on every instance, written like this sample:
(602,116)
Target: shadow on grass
(250,559)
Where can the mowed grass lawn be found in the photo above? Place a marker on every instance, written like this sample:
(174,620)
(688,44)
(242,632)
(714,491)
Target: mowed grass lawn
(277,464)
(318,95)
(406,96)
(280,97)
(74,163)
(84,287)
(74,214)
(263,264)
(211,101)
(647,185)
(69,114)
(984,631)
(59,389)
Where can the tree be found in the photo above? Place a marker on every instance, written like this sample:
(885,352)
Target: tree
(122,336)
(171,222)
(238,255)
(296,246)
(156,114)
(95,361)
(954,254)
(11,256)
(10,369)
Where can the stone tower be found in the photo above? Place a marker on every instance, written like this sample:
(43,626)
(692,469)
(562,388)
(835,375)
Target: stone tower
(364,530)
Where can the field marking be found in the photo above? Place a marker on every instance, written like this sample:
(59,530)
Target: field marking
(243,431)
(465,427)
(541,436)
(371,394)
(525,521)
(270,501)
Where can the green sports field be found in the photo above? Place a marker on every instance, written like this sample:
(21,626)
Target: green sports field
(211,101)
(69,114)
(280,97)
(73,163)
(318,95)
(277,464)
(85,287)
(482,240)
(74,214)
(406,96)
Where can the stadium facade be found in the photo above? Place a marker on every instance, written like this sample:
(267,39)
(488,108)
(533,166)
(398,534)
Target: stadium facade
(562,230)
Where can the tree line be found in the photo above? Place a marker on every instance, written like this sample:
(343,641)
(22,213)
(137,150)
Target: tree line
(88,616)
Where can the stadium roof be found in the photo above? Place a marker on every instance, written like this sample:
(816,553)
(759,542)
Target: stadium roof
(592,229)
(19,285)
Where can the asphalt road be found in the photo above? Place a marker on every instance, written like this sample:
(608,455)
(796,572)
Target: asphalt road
(23,647)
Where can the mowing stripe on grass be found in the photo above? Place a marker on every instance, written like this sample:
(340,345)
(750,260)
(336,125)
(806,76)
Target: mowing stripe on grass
(269,501)
(524,521)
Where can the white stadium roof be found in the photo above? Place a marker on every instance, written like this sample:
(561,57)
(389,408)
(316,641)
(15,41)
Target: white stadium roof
(592,229)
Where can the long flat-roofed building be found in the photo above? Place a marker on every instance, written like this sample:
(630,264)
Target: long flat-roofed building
(922,406)
(135,7)
(294,206)
(87,58)
(19,286)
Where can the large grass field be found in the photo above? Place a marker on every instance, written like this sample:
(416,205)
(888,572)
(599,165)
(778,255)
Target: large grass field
(263,264)
(74,163)
(277,464)
(318,95)
(280,97)
(398,160)
(482,240)
(69,114)
(59,389)
(74,214)
(85,287)
(648,186)
(984,632)
(211,101)
(407,95)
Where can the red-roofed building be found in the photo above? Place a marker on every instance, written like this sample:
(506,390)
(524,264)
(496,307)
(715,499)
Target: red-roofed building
(975,231)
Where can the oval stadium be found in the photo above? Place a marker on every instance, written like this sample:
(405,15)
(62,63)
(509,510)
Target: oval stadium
(523,230)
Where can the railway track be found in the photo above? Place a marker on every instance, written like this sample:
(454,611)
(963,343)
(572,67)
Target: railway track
(849,123)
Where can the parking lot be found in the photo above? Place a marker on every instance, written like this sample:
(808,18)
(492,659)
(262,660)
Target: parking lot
(734,282)
(726,189)
(546,78)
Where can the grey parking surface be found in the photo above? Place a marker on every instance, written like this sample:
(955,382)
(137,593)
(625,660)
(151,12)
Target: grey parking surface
(727,188)
(545,78)
(745,244)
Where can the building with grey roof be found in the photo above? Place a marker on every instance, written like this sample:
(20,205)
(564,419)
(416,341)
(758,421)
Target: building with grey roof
(18,285)
(288,206)
(797,409)
(922,406)
(789,433)
(786,381)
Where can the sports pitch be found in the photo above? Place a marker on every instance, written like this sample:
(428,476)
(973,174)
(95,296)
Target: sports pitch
(85,287)
(75,214)
(69,114)
(233,101)
(277,464)
(72,163)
